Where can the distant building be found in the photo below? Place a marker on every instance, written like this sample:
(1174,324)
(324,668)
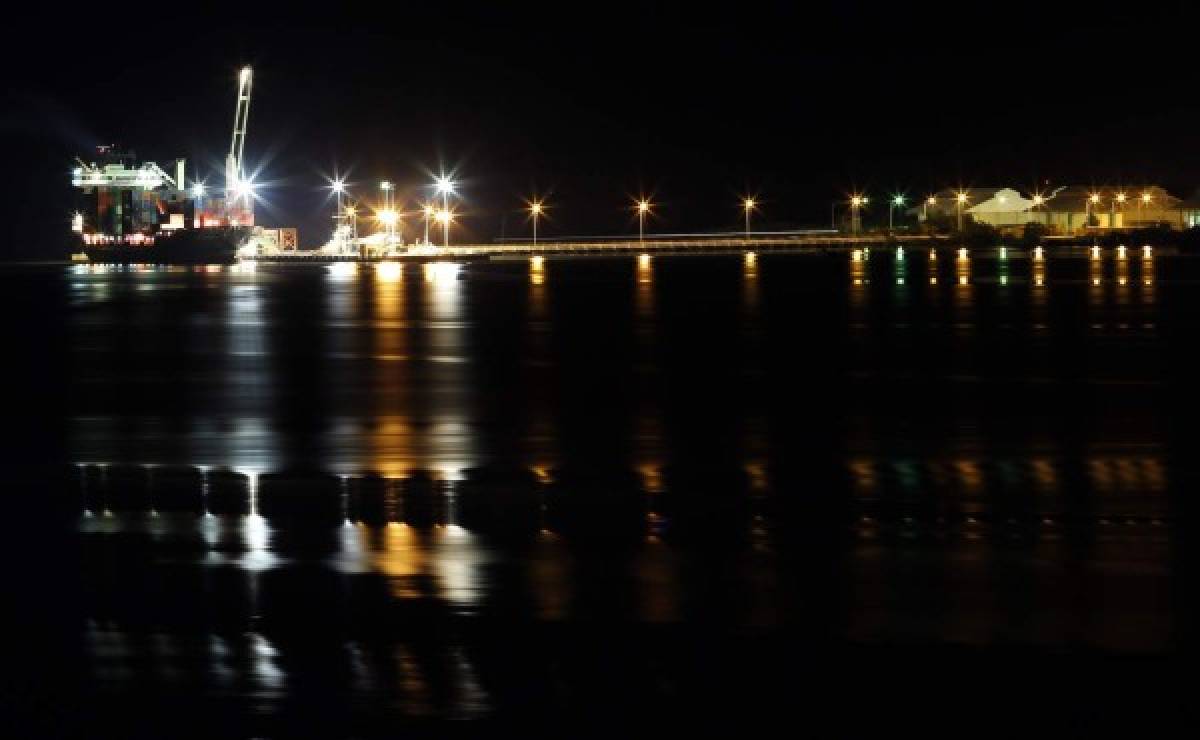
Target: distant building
(1073,208)
(1189,212)
(998,206)
(1067,209)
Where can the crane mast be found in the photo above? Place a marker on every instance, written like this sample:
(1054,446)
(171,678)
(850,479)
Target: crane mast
(234,172)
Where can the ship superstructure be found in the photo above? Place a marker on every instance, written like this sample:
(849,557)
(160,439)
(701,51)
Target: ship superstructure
(128,210)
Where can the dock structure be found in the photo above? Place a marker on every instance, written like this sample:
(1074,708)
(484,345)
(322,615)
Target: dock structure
(682,244)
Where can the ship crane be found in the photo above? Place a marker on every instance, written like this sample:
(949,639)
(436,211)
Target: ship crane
(235,175)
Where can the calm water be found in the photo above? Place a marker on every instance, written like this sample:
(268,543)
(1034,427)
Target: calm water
(337,500)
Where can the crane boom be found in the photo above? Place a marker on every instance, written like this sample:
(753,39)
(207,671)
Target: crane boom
(234,172)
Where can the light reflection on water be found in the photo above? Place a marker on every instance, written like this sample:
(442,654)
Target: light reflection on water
(881,456)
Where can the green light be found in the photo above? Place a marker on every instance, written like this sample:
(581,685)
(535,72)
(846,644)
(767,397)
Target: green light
(898,200)
(900,254)
(1003,253)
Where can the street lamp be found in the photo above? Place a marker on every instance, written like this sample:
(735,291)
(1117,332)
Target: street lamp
(535,209)
(429,211)
(748,205)
(444,217)
(856,202)
(960,200)
(445,186)
(388,190)
(339,189)
(930,201)
(897,200)
(1038,200)
(1143,201)
(198,190)
(387,217)
(1119,198)
(643,207)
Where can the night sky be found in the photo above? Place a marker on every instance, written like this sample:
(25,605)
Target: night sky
(591,107)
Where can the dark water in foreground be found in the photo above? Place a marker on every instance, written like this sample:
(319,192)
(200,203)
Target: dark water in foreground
(319,502)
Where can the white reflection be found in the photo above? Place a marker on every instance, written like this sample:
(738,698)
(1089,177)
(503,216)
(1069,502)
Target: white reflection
(442,272)
(266,673)
(343,270)
(389,271)
(448,446)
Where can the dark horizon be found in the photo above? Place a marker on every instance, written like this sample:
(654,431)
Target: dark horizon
(799,107)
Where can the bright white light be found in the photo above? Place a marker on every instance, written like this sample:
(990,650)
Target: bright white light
(389,271)
(198,190)
(444,185)
(441,272)
(338,186)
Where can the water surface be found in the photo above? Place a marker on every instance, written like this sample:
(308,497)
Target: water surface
(551,488)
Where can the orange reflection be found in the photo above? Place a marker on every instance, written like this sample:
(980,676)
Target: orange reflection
(391,431)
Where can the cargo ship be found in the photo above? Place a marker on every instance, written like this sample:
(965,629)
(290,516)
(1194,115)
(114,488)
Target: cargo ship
(136,212)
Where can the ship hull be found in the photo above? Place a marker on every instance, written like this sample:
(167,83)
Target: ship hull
(216,246)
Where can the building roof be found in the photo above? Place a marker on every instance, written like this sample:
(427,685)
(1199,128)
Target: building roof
(1076,198)
(1005,200)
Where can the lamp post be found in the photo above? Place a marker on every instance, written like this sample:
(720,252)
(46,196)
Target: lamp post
(748,205)
(535,210)
(387,189)
(643,207)
(1119,198)
(930,201)
(1092,201)
(897,200)
(444,217)
(856,202)
(960,200)
(388,218)
(1038,200)
(428,211)
(339,219)
(445,186)
(339,189)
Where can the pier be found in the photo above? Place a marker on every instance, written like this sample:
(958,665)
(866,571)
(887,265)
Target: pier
(672,244)
(814,243)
